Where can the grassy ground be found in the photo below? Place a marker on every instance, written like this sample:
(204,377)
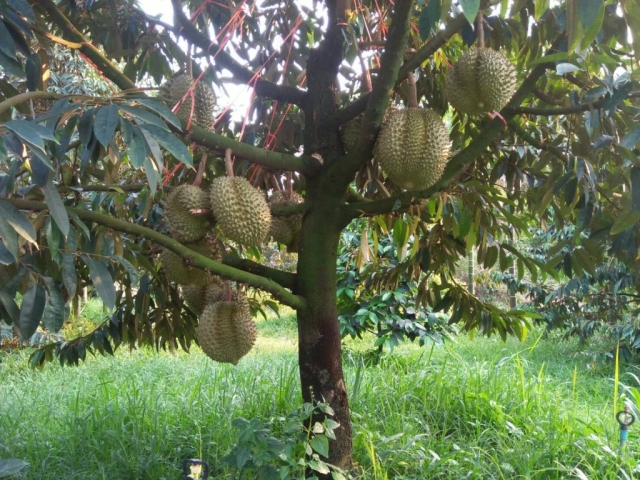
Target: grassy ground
(478,409)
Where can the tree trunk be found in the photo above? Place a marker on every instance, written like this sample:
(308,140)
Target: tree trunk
(320,347)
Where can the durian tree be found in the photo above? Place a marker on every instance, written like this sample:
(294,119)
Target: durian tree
(450,126)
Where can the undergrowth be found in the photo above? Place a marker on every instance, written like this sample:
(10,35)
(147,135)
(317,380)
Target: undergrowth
(479,409)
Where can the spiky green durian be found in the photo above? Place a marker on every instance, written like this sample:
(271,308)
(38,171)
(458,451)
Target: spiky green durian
(286,229)
(198,297)
(176,270)
(183,223)
(226,331)
(413,147)
(201,111)
(482,80)
(241,211)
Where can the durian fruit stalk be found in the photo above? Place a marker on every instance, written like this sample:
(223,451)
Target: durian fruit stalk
(240,209)
(413,147)
(482,80)
(186,213)
(226,331)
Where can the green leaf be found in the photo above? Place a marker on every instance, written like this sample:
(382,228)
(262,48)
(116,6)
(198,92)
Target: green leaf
(6,42)
(56,207)
(10,306)
(23,8)
(626,219)
(630,140)
(162,110)
(136,148)
(102,281)
(11,466)
(470,9)
(105,124)
(31,310)
(320,444)
(429,18)
(69,275)
(31,132)
(174,146)
(541,6)
(133,274)
(9,238)
(144,116)
(18,221)
(11,66)
(591,16)
(54,311)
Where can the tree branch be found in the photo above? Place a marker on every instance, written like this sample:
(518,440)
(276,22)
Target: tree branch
(195,259)
(378,100)
(266,158)
(549,112)
(417,59)
(286,279)
(91,52)
(264,88)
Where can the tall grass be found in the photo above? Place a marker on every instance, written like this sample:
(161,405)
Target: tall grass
(481,409)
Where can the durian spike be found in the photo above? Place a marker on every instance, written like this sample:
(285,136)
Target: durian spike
(228,162)
(228,295)
(413,90)
(480,22)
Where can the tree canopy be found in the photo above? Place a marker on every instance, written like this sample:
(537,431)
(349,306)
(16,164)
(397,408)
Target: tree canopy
(91,149)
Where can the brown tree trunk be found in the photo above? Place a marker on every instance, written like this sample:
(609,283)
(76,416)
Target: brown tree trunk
(320,348)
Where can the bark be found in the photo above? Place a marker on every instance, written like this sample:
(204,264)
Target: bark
(320,347)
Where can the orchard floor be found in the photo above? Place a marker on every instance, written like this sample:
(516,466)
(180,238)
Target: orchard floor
(478,409)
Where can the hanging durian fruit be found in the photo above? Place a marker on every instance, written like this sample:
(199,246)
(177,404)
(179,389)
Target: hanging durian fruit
(413,147)
(177,272)
(226,331)
(198,297)
(482,80)
(286,230)
(183,223)
(175,90)
(241,210)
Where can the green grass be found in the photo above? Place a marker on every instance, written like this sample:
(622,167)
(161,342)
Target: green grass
(478,409)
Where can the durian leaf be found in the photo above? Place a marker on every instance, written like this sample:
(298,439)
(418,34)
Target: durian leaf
(31,310)
(56,207)
(69,274)
(470,9)
(31,132)
(429,18)
(10,306)
(171,143)
(18,221)
(6,42)
(144,116)
(162,110)
(105,124)
(6,257)
(102,281)
(54,311)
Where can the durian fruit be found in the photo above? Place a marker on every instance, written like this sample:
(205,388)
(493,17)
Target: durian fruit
(483,80)
(286,230)
(281,231)
(241,211)
(175,90)
(184,225)
(177,272)
(198,297)
(413,147)
(349,133)
(226,331)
